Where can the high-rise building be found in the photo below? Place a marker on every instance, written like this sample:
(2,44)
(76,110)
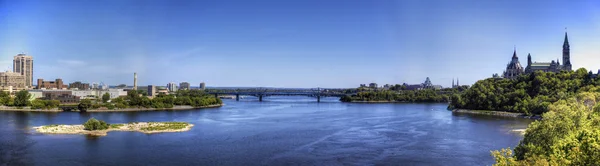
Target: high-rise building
(23,64)
(184,86)
(151,90)
(171,87)
(202,86)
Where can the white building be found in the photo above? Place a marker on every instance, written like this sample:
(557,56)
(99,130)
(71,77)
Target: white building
(172,87)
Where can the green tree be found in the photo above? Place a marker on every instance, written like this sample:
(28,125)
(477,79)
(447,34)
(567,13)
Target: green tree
(568,135)
(105,97)
(84,104)
(22,98)
(93,124)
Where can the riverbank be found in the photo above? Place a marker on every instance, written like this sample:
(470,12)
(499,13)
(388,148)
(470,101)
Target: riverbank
(143,127)
(496,113)
(27,109)
(175,108)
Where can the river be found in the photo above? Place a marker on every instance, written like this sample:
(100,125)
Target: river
(278,131)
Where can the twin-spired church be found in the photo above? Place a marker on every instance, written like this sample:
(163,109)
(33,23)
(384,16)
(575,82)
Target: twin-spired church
(514,68)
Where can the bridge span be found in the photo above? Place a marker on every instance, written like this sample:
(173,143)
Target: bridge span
(264,92)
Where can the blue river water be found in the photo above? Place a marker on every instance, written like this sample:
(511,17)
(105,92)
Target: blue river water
(278,131)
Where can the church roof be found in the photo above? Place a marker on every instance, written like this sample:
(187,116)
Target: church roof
(541,64)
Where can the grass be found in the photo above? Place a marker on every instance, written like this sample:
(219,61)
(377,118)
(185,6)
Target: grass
(48,126)
(159,126)
(116,125)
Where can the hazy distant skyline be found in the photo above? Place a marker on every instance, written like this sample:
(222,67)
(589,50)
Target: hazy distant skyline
(304,44)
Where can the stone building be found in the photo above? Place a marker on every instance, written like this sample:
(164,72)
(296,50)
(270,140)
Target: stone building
(80,86)
(513,68)
(23,65)
(12,81)
(57,84)
(553,66)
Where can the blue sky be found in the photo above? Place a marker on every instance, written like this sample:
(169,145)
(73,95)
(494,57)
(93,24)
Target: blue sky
(308,43)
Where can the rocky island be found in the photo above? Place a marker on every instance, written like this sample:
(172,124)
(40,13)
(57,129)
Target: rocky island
(101,128)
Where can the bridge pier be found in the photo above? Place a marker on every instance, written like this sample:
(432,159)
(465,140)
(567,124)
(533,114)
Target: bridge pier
(237,97)
(318,99)
(260,97)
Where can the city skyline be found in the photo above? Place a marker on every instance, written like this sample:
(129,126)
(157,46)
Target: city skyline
(333,44)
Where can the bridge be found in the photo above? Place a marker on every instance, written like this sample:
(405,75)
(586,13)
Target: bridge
(264,92)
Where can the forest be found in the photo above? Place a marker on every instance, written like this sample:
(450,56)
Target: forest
(529,93)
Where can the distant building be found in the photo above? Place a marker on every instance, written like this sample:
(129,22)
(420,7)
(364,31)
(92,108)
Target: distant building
(427,84)
(184,86)
(151,90)
(11,81)
(23,64)
(457,84)
(363,85)
(95,86)
(57,84)
(172,87)
(162,90)
(64,96)
(513,68)
(373,85)
(134,81)
(553,66)
(202,86)
(413,87)
(80,86)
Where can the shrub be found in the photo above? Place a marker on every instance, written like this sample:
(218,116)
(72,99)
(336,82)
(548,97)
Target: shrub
(93,124)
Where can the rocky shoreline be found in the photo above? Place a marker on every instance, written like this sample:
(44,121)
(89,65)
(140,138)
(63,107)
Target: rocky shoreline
(497,113)
(54,110)
(143,127)
(175,108)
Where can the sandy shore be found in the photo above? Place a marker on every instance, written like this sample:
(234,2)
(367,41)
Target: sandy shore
(142,127)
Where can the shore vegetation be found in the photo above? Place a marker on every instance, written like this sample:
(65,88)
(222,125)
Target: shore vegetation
(569,134)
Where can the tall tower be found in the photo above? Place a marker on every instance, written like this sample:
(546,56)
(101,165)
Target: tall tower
(566,54)
(453,83)
(134,81)
(529,59)
(23,65)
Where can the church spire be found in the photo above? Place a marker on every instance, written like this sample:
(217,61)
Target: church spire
(515,53)
(566,43)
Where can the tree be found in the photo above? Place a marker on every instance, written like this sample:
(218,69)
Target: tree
(568,135)
(93,124)
(22,98)
(105,97)
(84,105)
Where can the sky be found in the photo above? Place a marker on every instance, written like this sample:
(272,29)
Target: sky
(300,44)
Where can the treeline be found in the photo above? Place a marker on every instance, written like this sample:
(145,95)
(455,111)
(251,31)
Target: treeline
(21,99)
(426,95)
(529,93)
(194,98)
(568,135)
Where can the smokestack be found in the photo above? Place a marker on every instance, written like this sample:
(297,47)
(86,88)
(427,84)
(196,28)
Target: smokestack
(134,81)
